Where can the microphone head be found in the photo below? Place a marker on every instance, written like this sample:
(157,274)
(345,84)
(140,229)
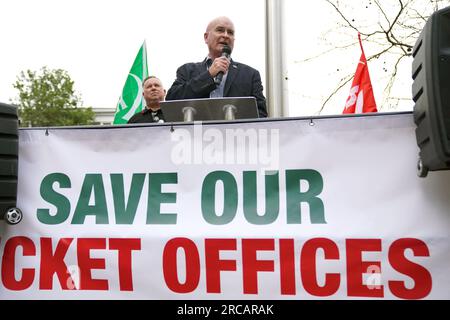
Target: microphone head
(226,49)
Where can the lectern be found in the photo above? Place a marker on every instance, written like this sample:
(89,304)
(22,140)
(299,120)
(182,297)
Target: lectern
(229,108)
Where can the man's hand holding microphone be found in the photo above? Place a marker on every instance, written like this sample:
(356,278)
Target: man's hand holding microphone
(220,65)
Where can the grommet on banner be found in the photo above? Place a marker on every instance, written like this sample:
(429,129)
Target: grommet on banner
(311,122)
(171,128)
(46,132)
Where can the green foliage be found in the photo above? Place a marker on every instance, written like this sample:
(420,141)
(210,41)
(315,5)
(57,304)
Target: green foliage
(47,98)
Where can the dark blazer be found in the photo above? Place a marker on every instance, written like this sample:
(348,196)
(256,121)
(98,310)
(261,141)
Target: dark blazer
(146,116)
(194,82)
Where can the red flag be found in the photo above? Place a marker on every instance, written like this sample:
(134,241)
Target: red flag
(361,99)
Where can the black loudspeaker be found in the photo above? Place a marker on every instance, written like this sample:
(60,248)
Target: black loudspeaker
(9,147)
(431,93)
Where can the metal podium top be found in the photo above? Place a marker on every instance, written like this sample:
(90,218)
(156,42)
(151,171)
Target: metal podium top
(209,108)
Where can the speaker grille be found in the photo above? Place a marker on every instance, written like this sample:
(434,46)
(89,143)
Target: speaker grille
(431,91)
(444,71)
(9,148)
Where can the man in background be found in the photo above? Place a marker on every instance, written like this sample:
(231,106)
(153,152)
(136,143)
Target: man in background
(197,80)
(154,93)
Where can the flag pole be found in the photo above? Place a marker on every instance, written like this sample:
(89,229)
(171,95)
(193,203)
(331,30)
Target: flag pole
(360,44)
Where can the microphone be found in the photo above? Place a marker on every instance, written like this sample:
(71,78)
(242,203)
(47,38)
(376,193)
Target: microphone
(226,51)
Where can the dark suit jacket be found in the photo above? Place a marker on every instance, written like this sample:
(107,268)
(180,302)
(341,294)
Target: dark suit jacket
(145,116)
(194,82)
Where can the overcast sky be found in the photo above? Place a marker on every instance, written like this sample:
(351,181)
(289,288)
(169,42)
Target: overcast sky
(96,41)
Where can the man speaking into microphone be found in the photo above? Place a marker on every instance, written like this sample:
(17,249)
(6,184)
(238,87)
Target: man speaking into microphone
(218,75)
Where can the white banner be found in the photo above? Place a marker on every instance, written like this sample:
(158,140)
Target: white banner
(325,209)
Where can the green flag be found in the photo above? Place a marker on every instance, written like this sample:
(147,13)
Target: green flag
(131,100)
